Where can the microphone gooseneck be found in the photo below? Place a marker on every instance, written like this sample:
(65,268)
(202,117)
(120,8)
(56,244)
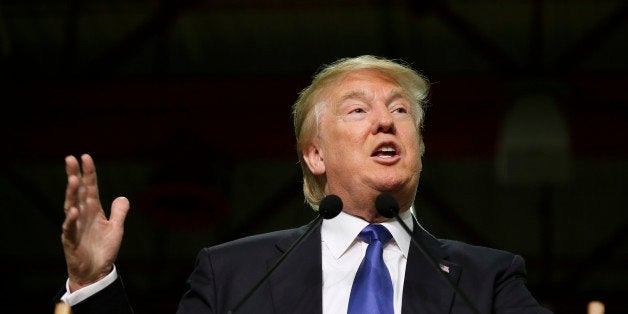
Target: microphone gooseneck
(329,208)
(387,206)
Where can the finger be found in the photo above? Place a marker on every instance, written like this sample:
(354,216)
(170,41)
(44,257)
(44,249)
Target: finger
(89,201)
(119,209)
(71,165)
(69,227)
(89,177)
(73,173)
(81,195)
(71,193)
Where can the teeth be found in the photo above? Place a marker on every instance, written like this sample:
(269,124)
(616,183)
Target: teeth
(386,149)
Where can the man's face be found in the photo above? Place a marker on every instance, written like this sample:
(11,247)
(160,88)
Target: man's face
(367,141)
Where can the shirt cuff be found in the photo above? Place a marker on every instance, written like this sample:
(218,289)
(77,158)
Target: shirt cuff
(80,295)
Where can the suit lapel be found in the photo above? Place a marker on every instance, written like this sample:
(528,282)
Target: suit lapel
(296,285)
(424,289)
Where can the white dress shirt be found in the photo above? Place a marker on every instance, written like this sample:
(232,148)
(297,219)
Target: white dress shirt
(343,251)
(81,294)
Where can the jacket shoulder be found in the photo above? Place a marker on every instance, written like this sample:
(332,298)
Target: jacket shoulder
(482,259)
(255,243)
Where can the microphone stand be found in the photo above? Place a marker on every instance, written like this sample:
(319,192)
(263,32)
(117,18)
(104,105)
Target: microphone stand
(435,265)
(329,208)
(313,226)
(392,209)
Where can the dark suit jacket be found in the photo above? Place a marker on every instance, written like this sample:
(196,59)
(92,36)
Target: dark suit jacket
(493,280)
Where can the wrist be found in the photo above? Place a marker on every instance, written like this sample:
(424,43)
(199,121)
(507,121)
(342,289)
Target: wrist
(74,298)
(75,282)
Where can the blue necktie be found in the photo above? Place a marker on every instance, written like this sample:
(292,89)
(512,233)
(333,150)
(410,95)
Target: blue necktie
(372,291)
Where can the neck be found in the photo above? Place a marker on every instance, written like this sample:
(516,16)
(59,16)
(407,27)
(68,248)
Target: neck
(367,211)
(371,216)
(361,203)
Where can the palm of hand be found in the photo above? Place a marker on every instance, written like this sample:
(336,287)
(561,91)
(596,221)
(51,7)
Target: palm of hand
(90,241)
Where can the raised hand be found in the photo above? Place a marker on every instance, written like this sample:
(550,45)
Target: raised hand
(90,241)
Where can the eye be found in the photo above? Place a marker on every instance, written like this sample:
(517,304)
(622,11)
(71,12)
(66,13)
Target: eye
(357,110)
(400,110)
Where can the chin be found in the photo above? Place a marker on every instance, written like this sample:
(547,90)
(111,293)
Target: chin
(397,186)
(391,185)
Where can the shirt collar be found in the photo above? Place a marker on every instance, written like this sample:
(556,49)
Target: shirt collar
(340,232)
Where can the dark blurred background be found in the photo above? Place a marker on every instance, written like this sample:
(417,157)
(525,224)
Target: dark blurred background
(185,106)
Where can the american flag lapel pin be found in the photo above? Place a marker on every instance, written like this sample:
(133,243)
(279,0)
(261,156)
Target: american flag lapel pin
(444,268)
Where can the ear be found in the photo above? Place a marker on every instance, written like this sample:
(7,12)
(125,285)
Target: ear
(313,157)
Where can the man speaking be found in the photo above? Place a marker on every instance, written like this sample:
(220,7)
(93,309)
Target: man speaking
(358,128)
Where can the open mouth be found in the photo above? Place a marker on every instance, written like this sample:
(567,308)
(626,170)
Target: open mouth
(385,151)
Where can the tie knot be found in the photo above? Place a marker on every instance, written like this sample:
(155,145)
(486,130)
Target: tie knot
(375,232)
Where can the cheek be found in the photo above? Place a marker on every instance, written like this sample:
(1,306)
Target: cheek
(346,135)
(412,141)
(414,149)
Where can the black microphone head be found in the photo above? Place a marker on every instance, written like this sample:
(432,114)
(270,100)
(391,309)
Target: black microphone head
(330,206)
(387,205)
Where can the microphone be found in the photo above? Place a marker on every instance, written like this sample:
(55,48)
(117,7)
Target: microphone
(62,308)
(329,208)
(387,206)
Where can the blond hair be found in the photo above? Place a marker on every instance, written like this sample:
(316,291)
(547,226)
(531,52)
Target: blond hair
(305,111)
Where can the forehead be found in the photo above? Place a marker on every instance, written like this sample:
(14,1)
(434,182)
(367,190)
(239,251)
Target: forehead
(364,83)
(361,82)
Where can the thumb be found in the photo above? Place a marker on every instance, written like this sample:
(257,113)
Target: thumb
(119,209)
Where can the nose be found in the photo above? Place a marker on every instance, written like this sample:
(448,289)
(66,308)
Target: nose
(384,122)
